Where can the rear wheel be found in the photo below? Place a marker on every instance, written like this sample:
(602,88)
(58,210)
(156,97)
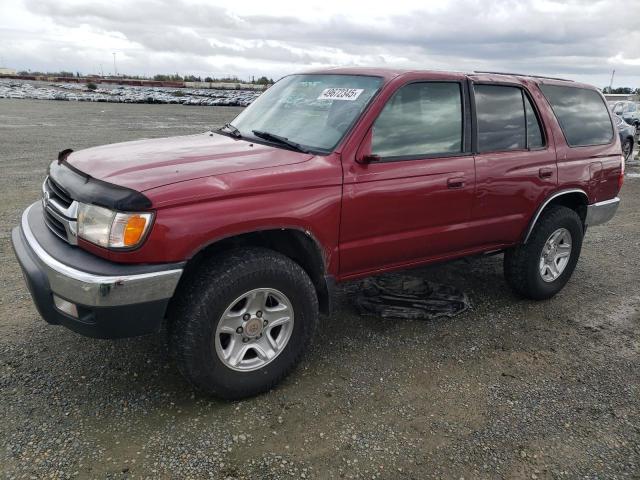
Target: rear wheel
(241,323)
(540,268)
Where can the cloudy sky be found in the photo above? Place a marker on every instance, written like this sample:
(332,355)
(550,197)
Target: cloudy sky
(580,39)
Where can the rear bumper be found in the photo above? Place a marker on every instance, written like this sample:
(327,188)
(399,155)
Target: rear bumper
(112,300)
(601,212)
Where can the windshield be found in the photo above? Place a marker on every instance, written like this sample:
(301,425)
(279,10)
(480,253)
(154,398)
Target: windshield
(314,111)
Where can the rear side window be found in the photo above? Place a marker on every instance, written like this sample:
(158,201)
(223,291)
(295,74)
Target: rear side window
(421,119)
(582,114)
(506,119)
(534,133)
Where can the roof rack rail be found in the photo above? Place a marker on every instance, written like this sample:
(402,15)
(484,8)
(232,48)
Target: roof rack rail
(523,75)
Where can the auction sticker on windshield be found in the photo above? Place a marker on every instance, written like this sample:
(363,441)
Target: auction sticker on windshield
(340,94)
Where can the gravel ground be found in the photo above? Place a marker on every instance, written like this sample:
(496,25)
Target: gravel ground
(509,389)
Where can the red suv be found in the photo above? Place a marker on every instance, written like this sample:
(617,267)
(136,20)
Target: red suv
(236,237)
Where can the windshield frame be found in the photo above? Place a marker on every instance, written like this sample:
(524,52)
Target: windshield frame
(250,137)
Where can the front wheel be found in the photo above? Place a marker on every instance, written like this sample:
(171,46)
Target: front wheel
(241,323)
(541,268)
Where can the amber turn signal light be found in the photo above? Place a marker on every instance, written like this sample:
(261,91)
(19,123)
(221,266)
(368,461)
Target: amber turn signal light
(134,230)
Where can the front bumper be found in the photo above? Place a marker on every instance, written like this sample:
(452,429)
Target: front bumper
(112,300)
(601,212)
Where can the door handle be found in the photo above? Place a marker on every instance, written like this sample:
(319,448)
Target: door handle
(545,173)
(455,182)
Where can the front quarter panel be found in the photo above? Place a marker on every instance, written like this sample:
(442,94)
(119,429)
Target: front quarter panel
(194,214)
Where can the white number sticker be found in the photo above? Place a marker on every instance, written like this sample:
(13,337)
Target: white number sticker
(350,94)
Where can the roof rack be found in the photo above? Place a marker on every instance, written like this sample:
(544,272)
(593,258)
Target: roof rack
(523,75)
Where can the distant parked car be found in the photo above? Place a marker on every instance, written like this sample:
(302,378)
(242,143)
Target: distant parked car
(630,113)
(627,136)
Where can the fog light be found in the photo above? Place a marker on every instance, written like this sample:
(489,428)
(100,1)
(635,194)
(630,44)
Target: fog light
(65,306)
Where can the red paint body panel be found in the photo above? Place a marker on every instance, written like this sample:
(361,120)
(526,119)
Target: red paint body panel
(396,213)
(509,185)
(144,164)
(366,218)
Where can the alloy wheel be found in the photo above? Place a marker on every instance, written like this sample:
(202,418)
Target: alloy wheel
(254,329)
(555,255)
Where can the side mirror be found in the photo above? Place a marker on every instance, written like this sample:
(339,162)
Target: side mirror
(369,158)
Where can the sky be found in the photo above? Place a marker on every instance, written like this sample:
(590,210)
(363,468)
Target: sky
(579,39)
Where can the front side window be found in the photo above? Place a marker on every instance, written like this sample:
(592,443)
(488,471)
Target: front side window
(582,113)
(315,111)
(420,119)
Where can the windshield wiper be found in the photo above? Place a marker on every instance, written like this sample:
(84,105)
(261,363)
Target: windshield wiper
(230,129)
(278,139)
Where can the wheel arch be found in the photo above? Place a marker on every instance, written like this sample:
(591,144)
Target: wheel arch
(299,245)
(574,198)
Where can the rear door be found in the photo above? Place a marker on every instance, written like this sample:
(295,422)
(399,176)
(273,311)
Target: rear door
(515,162)
(408,189)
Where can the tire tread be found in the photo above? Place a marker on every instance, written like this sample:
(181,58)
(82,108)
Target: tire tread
(211,283)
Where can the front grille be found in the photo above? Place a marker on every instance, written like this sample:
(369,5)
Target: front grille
(60,211)
(57,193)
(55,225)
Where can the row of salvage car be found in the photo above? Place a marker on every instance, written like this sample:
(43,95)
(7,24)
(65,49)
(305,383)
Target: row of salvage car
(125,94)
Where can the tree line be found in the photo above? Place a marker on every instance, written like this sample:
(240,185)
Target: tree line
(623,90)
(160,77)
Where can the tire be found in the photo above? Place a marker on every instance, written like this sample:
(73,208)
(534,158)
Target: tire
(205,303)
(627,149)
(522,264)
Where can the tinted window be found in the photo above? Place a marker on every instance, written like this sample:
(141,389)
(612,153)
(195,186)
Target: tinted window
(534,133)
(582,114)
(420,119)
(500,118)
(630,108)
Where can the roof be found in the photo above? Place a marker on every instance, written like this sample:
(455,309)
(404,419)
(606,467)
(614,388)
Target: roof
(390,73)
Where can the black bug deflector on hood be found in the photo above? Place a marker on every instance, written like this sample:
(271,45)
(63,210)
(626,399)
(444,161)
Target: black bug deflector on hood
(86,189)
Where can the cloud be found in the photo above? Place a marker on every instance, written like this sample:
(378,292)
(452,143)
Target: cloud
(578,39)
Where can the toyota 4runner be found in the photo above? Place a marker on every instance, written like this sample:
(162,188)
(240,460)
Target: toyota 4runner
(235,237)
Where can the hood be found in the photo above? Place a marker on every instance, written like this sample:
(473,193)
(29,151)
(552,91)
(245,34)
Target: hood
(145,164)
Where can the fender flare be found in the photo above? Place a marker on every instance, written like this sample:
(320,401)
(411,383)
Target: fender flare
(549,199)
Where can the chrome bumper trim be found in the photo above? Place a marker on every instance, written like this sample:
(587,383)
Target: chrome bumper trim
(601,212)
(94,290)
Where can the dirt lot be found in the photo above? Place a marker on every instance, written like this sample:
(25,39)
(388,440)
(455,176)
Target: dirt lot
(510,389)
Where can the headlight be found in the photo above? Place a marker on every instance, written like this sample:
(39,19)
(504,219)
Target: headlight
(112,229)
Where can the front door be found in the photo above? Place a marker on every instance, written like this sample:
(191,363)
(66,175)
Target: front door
(408,191)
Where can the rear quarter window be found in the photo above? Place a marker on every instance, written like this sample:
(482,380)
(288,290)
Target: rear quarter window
(582,114)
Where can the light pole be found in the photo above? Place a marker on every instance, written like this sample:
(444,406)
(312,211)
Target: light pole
(611,81)
(115,70)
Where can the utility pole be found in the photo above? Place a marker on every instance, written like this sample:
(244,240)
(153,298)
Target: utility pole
(115,70)
(611,81)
